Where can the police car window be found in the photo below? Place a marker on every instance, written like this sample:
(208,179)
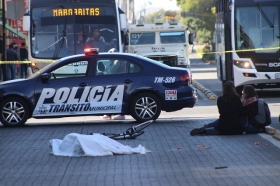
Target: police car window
(134,68)
(111,66)
(74,69)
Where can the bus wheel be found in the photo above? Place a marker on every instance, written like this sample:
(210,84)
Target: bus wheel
(14,112)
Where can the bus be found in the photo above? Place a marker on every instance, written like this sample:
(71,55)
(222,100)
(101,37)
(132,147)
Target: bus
(166,43)
(247,42)
(59,28)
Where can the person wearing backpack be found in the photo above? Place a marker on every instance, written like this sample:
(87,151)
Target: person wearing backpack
(251,111)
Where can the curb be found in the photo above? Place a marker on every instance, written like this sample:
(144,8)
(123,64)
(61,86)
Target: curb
(273,132)
(208,93)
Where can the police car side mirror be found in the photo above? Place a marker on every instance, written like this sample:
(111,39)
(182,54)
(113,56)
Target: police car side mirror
(45,77)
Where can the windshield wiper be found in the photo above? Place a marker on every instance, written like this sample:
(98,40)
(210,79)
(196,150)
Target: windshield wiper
(265,17)
(61,39)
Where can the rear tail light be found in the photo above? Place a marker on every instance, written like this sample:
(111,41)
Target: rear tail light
(185,77)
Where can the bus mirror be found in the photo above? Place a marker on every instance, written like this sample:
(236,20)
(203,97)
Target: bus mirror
(191,38)
(123,21)
(124,37)
(26,22)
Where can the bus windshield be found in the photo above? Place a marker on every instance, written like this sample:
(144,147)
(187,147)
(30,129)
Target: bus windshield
(142,38)
(59,31)
(172,37)
(257,29)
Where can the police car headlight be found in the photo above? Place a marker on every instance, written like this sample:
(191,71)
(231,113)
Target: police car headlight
(242,64)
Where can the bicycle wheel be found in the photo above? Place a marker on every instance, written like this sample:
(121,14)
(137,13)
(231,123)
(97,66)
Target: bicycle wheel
(123,135)
(111,135)
(142,126)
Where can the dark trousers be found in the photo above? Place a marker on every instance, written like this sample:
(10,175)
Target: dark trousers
(23,70)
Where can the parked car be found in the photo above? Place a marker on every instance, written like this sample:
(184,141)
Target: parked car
(94,84)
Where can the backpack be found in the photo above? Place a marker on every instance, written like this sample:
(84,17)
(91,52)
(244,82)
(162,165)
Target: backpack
(263,117)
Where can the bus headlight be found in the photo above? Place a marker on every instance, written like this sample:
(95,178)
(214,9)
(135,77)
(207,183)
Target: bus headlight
(242,64)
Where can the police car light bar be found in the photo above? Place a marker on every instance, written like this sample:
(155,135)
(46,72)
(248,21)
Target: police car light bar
(91,51)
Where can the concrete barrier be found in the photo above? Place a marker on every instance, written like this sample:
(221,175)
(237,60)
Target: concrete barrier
(208,93)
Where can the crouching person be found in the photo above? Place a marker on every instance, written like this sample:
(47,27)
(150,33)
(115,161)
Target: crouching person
(250,111)
(229,106)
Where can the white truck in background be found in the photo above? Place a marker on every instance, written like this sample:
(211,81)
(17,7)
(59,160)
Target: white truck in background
(167,43)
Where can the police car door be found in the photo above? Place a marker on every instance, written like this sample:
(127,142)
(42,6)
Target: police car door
(66,91)
(113,82)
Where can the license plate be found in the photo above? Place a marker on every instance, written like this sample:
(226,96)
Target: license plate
(277,76)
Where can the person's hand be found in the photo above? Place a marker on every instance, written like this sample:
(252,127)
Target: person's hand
(242,98)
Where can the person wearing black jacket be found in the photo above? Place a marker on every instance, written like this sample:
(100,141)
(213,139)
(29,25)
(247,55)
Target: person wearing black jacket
(229,106)
(23,53)
(11,56)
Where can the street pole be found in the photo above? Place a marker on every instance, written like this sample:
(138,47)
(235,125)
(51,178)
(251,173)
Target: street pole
(4,66)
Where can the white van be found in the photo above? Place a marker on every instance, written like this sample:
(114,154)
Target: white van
(164,42)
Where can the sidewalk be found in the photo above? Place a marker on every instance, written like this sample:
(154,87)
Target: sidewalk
(176,158)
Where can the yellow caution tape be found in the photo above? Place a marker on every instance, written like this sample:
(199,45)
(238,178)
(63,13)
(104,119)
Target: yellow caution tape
(221,52)
(26,62)
(247,50)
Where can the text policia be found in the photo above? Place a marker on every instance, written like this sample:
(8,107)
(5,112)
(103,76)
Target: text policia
(97,99)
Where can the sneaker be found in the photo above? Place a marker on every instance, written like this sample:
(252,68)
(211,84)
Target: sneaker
(197,131)
(106,117)
(119,117)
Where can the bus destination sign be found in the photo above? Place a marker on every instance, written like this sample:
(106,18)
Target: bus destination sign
(76,11)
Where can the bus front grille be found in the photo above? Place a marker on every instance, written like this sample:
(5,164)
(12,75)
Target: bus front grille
(170,60)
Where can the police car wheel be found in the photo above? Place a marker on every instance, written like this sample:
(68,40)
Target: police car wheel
(14,112)
(144,107)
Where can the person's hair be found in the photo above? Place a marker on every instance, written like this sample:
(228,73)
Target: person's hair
(229,92)
(12,45)
(23,44)
(95,28)
(249,91)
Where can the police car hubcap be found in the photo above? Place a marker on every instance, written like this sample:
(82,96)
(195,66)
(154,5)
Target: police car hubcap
(146,107)
(13,112)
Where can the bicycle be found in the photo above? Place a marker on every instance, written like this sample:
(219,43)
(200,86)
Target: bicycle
(130,133)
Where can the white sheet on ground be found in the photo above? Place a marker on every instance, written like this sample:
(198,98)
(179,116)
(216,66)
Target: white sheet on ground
(76,145)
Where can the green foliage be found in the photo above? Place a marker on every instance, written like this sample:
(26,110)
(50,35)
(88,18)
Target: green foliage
(159,17)
(205,56)
(204,36)
(203,24)
(156,17)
